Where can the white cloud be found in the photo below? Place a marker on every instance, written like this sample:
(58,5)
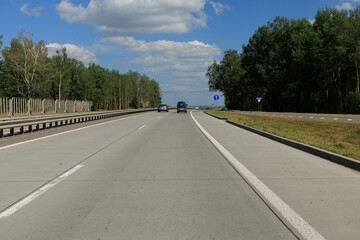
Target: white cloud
(348,5)
(184,60)
(169,56)
(31,12)
(345,6)
(73,51)
(133,17)
(219,7)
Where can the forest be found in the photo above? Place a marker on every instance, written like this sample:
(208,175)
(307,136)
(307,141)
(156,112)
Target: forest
(27,71)
(295,66)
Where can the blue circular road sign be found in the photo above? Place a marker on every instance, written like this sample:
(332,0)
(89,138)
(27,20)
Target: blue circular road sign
(216,97)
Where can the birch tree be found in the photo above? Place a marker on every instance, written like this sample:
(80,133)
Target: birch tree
(60,70)
(27,61)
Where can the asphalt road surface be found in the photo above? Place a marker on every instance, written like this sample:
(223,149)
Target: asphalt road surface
(319,117)
(156,176)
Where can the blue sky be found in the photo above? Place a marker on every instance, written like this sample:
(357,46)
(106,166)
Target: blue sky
(172,41)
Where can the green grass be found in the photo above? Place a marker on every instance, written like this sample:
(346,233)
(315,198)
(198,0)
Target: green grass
(337,137)
(296,113)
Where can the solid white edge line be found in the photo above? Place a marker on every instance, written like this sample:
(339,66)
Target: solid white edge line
(17,206)
(293,218)
(57,134)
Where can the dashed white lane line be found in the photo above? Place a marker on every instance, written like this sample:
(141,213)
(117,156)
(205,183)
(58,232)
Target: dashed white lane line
(322,118)
(294,219)
(335,119)
(349,119)
(18,205)
(141,127)
(311,117)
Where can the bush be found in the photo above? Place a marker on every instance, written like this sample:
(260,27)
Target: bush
(353,103)
(224,109)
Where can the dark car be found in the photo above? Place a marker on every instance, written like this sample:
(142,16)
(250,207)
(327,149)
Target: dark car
(163,107)
(181,107)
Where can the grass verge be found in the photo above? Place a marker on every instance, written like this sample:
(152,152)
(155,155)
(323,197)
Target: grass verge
(337,137)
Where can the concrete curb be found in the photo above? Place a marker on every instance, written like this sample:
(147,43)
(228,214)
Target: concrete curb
(216,116)
(333,157)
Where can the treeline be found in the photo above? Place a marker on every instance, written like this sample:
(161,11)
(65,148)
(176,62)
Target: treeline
(295,65)
(27,71)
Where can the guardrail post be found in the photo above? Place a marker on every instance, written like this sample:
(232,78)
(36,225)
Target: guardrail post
(1,133)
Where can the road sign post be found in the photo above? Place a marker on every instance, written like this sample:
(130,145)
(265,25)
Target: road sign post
(216,98)
(258,100)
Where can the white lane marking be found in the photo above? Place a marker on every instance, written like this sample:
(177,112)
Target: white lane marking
(18,205)
(349,119)
(57,134)
(335,119)
(300,116)
(311,117)
(296,221)
(141,127)
(322,118)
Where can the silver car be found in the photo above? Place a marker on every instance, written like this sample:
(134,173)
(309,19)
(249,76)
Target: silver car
(163,107)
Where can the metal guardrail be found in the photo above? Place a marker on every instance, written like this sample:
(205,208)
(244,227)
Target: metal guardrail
(27,125)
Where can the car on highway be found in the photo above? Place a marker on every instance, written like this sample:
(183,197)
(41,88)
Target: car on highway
(181,107)
(163,107)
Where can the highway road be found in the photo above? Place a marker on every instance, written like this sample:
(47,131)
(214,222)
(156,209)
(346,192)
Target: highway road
(157,176)
(319,117)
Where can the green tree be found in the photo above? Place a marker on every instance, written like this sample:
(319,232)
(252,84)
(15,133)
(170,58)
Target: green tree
(354,44)
(154,94)
(79,84)
(227,77)
(331,25)
(60,70)
(99,85)
(26,62)
(256,62)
